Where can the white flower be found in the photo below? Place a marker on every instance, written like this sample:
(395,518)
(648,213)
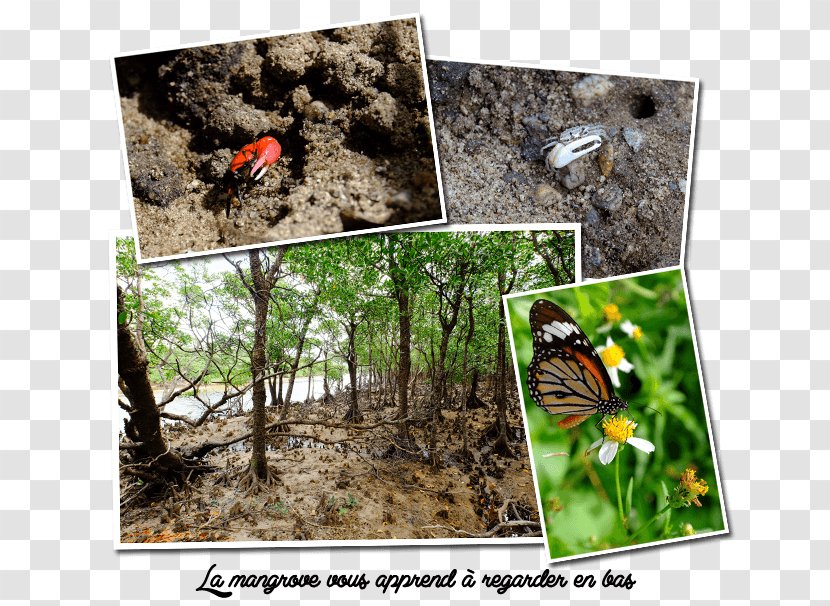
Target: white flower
(613,357)
(632,330)
(618,430)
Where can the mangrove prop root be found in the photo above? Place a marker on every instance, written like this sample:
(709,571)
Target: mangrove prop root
(251,484)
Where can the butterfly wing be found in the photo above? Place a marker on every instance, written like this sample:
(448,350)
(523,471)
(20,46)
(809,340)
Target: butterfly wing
(566,375)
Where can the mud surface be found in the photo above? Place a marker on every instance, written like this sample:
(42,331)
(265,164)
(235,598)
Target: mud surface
(491,123)
(347,105)
(341,484)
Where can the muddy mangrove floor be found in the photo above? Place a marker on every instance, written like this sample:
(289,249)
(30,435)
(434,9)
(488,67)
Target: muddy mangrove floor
(338,484)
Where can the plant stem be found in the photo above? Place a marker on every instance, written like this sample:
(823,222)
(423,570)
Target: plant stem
(650,522)
(619,493)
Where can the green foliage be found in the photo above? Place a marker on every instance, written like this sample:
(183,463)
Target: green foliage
(349,504)
(663,390)
(199,313)
(280,507)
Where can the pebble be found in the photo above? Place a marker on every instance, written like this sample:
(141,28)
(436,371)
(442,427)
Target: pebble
(635,138)
(535,127)
(590,89)
(608,198)
(531,121)
(592,218)
(531,151)
(644,211)
(514,177)
(681,185)
(593,256)
(605,159)
(547,195)
(572,175)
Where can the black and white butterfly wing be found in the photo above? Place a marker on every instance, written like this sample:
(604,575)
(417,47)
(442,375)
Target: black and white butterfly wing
(566,375)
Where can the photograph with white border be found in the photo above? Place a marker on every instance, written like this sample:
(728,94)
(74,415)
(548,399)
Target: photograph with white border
(280,139)
(615,414)
(343,392)
(521,143)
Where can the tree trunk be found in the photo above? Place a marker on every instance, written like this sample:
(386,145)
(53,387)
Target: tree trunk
(259,463)
(353,414)
(448,325)
(501,445)
(392,385)
(272,388)
(294,365)
(382,388)
(280,399)
(473,401)
(139,318)
(143,427)
(326,391)
(401,291)
(440,388)
(465,358)
(369,362)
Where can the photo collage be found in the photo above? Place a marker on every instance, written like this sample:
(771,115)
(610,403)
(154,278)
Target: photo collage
(372,297)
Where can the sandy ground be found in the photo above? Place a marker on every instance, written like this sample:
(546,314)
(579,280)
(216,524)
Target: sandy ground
(492,121)
(343,492)
(347,105)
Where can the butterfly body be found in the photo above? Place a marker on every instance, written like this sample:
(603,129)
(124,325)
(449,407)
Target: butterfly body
(566,375)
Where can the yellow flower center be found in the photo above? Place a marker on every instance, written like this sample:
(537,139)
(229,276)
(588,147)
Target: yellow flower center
(612,313)
(618,429)
(637,333)
(612,356)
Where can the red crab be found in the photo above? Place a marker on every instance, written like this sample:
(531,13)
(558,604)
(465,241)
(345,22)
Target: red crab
(259,156)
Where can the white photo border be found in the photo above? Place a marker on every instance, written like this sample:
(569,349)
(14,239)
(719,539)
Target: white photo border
(385,228)
(460,541)
(721,494)
(556,66)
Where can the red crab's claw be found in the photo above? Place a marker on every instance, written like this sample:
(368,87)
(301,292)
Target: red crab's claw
(268,151)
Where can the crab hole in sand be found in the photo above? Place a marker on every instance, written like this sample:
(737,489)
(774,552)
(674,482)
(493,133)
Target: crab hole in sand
(643,107)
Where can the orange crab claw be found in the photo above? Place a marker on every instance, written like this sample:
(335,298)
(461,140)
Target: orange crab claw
(268,151)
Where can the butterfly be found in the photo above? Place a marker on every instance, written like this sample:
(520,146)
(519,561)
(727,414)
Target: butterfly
(566,375)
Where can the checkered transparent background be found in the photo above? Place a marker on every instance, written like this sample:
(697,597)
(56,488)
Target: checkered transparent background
(758,260)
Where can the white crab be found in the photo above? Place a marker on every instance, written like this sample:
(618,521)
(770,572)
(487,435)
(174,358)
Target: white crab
(573,143)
